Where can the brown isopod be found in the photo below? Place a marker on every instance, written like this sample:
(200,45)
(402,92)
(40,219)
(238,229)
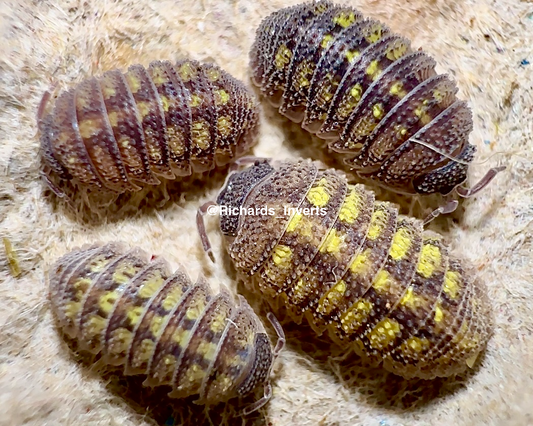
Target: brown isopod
(379,104)
(127,306)
(124,131)
(373,279)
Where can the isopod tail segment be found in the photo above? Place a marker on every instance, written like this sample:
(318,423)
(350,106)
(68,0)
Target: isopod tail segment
(280,344)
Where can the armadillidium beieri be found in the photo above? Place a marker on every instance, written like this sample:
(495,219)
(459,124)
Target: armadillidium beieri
(383,110)
(125,131)
(352,266)
(121,303)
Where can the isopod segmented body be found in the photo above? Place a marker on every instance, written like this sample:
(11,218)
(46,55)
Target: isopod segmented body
(329,252)
(123,131)
(380,104)
(131,309)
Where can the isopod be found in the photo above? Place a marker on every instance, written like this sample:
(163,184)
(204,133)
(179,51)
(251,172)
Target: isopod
(374,280)
(127,306)
(125,131)
(379,104)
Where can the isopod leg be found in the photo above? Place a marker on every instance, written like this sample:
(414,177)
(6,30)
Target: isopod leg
(280,344)
(447,208)
(200,225)
(485,180)
(243,161)
(260,402)
(44,101)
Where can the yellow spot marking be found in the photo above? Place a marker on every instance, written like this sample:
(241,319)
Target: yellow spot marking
(169,360)
(82,284)
(430,259)
(194,311)
(344,19)
(222,97)
(384,333)
(196,101)
(172,298)
(437,95)
(224,125)
(187,72)
(382,281)
(401,243)
(376,34)
(218,324)
(403,131)
(304,69)
(123,274)
(360,264)
(109,92)
(213,74)
(134,314)
(207,349)
(125,142)
(89,128)
(397,90)
(351,55)
(120,341)
(350,208)
(356,92)
(283,57)
(107,301)
(333,243)
(373,69)
(96,325)
(72,160)
(332,297)
(452,284)
(98,264)
(377,111)
(158,76)
(356,315)
(326,41)
(318,195)
(165,102)
(156,323)
(416,344)
(282,256)
(293,224)
(145,350)
(133,82)
(200,134)
(151,286)
(144,108)
(438,313)
(194,374)
(411,300)
(181,336)
(298,290)
(72,309)
(377,224)
(397,52)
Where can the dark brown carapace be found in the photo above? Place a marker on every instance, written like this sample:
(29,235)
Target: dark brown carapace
(380,105)
(127,305)
(373,279)
(123,131)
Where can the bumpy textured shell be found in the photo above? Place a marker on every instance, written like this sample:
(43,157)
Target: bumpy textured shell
(128,307)
(381,105)
(356,268)
(125,131)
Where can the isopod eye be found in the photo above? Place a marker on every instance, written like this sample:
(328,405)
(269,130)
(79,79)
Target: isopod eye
(232,196)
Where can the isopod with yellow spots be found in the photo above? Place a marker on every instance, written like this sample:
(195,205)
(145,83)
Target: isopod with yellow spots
(127,306)
(378,103)
(372,279)
(125,131)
